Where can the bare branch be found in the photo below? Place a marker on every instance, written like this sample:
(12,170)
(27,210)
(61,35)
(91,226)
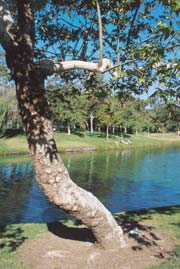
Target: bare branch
(161,65)
(49,67)
(158,66)
(118,65)
(100,35)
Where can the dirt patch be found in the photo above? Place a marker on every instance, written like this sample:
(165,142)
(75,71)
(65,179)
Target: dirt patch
(69,248)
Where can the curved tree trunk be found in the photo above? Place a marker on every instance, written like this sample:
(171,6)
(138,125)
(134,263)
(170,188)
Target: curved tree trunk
(51,174)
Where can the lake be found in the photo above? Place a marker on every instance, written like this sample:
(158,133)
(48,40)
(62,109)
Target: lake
(122,180)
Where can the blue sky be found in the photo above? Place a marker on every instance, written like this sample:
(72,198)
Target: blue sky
(75,20)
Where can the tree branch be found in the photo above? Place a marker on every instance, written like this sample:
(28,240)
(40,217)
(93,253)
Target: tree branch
(7,25)
(50,67)
(100,35)
(158,66)
(118,65)
(26,24)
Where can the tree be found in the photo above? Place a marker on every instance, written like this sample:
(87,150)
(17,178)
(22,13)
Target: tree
(95,90)
(106,114)
(17,39)
(23,23)
(67,105)
(9,114)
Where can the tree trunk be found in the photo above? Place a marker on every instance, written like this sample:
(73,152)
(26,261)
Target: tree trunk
(51,174)
(107,132)
(69,129)
(87,125)
(91,123)
(121,132)
(125,130)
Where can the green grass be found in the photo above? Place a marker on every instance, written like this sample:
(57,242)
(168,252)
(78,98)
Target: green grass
(85,141)
(167,219)
(16,144)
(13,236)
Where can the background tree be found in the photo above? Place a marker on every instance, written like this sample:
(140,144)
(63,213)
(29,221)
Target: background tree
(105,115)
(9,113)
(95,90)
(67,106)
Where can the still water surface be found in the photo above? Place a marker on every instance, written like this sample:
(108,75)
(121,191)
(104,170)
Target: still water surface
(126,180)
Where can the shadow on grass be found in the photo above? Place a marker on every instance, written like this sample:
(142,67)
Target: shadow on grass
(10,133)
(72,233)
(144,235)
(131,222)
(11,237)
(145,214)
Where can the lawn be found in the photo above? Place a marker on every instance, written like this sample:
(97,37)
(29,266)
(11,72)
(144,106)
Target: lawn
(12,237)
(84,141)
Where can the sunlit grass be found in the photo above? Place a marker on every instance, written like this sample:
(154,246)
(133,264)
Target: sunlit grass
(168,220)
(12,237)
(83,141)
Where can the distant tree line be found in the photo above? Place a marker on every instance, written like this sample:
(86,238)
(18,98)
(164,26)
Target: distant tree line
(93,106)
(99,108)
(9,113)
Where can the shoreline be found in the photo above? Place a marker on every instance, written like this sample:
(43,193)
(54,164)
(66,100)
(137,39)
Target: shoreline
(75,144)
(83,150)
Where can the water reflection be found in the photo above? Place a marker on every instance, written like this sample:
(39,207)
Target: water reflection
(21,200)
(122,180)
(15,183)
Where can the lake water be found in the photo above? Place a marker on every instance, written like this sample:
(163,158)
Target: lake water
(122,180)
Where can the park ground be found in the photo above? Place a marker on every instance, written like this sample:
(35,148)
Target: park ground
(84,141)
(152,241)
(152,236)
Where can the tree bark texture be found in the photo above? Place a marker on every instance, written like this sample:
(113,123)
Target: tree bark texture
(51,174)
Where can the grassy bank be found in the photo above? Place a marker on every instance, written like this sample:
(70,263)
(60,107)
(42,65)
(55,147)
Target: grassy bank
(12,237)
(85,141)
(167,219)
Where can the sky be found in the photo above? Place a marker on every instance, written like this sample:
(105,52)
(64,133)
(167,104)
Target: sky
(156,12)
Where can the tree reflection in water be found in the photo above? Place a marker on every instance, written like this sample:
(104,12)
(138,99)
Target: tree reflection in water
(122,180)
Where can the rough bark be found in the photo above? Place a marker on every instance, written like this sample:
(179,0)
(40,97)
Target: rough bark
(51,174)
